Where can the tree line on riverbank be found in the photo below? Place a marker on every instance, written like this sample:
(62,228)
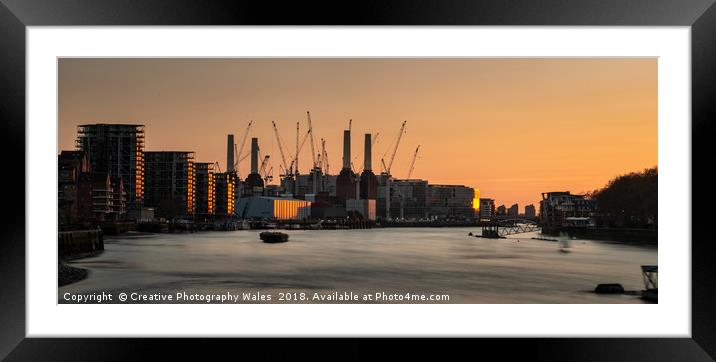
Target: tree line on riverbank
(629,200)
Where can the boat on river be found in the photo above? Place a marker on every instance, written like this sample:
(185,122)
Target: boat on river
(273,237)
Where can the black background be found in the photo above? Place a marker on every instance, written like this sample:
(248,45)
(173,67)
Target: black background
(15,15)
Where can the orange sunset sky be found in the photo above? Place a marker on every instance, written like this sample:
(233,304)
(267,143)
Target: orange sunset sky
(512,128)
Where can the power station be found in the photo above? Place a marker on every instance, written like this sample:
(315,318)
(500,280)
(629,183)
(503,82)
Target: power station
(173,184)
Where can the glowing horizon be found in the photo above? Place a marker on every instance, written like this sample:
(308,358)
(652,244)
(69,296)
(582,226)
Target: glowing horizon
(512,128)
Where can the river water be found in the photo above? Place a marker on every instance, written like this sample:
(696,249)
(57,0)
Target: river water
(428,261)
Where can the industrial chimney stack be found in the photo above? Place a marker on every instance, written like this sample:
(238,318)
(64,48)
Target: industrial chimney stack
(347,150)
(254,179)
(367,154)
(368,181)
(230,153)
(345,182)
(254,155)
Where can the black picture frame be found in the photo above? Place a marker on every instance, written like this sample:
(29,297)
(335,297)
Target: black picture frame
(700,15)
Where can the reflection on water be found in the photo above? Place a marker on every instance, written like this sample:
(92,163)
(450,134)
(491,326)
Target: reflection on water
(392,260)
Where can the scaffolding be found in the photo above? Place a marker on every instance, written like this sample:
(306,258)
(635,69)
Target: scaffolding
(117,149)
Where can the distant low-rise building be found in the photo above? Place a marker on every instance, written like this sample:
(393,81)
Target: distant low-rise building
(556,207)
(487,209)
(408,198)
(85,196)
(514,210)
(450,201)
(530,211)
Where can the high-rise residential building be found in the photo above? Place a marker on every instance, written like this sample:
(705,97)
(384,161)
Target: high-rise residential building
(225,193)
(530,211)
(118,150)
(169,182)
(204,188)
(514,210)
(501,210)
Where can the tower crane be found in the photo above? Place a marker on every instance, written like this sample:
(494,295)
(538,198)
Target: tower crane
(299,147)
(412,163)
(324,157)
(238,152)
(386,170)
(295,159)
(313,141)
(280,149)
(262,170)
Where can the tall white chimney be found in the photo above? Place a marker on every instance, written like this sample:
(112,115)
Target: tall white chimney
(346,150)
(230,153)
(368,153)
(254,155)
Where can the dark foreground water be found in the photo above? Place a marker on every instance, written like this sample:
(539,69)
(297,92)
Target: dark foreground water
(418,261)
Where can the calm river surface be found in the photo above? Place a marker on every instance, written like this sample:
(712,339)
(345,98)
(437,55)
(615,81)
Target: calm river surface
(392,260)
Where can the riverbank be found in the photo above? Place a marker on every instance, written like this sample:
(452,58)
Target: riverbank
(68,274)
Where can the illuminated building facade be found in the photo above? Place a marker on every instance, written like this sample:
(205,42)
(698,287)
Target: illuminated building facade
(204,187)
(169,182)
(225,193)
(274,208)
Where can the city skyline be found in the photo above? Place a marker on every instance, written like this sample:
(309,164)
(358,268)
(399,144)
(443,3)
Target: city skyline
(512,128)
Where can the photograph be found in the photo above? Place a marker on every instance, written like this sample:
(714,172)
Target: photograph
(357,180)
(199,176)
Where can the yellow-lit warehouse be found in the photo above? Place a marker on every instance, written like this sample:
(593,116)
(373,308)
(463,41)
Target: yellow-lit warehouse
(264,207)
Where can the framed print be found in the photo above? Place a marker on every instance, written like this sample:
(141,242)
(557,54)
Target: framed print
(413,170)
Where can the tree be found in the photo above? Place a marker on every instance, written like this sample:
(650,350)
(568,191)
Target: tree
(629,200)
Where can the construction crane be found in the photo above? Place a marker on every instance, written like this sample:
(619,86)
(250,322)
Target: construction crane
(280,148)
(295,159)
(313,141)
(262,169)
(238,157)
(299,147)
(412,163)
(324,157)
(386,168)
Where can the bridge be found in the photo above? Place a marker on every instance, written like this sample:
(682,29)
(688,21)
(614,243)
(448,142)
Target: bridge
(503,227)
